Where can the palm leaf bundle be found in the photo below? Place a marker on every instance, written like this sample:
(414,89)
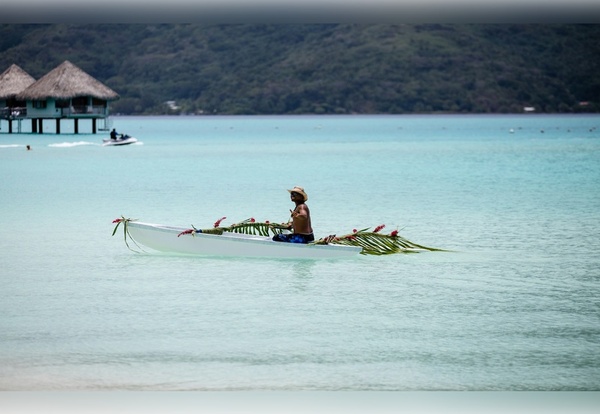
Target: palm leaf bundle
(375,243)
(248,226)
(371,242)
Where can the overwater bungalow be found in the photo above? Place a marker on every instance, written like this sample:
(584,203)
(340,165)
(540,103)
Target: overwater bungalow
(67,92)
(13,81)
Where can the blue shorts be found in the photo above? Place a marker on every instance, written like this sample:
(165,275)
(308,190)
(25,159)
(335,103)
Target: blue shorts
(294,238)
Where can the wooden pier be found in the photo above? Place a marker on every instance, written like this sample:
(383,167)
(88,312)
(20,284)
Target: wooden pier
(66,92)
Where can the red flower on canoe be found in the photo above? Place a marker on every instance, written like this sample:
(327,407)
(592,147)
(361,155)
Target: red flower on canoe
(189,231)
(394,233)
(379,228)
(252,220)
(117,220)
(218,222)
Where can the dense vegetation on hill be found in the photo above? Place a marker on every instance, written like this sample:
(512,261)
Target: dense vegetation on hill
(312,68)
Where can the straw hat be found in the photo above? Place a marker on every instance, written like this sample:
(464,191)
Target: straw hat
(299,190)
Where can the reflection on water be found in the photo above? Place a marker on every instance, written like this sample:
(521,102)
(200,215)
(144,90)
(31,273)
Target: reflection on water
(302,271)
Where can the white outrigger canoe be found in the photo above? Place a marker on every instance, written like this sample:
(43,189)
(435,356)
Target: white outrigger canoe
(171,240)
(252,239)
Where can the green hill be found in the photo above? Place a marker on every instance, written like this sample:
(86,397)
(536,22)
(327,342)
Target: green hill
(313,68)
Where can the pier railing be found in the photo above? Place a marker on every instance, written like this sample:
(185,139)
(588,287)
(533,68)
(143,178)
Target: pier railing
(84,110)
(13,113)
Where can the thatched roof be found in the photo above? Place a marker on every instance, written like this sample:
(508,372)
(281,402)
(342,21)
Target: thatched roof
(13,81)
(67,81)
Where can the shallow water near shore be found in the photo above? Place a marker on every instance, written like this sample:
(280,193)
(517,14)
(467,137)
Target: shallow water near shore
(512,307)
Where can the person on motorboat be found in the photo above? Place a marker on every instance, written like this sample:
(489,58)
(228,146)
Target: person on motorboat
(301,226)
(113,134)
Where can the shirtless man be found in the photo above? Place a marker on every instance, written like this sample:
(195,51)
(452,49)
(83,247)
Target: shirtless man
(301,227)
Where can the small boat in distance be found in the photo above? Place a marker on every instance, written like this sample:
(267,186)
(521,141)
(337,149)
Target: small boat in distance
(123,139)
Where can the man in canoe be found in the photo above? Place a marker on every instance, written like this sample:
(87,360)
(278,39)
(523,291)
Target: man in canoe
(301,227)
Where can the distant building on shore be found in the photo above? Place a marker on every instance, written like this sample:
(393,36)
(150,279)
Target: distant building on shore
(66,92)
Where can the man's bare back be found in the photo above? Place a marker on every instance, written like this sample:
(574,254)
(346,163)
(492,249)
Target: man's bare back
(301,219)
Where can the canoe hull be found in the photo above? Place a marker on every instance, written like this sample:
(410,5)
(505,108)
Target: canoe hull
(165,239)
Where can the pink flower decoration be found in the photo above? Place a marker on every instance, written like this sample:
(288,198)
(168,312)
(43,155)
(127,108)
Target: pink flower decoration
(252,220)
(218,222)
(379,228)
(394,233)
(117,220)
(354,230)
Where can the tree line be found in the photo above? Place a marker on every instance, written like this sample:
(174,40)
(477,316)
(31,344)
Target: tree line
(323,68)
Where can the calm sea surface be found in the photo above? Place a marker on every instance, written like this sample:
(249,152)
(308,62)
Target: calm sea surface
(514,306)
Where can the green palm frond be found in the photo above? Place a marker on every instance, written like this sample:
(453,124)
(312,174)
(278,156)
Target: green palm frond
(254,228)
(248,226)
(375,243)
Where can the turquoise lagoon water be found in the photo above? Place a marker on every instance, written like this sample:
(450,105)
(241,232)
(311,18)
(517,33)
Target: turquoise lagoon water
(513,307)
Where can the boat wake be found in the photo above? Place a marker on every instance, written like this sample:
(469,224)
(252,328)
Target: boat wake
(11,146)
(72,144)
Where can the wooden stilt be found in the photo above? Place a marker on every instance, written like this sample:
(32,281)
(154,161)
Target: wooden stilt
(93,125)
(76,125)
(41,126)
(34,125)
(58,125)
(10,126)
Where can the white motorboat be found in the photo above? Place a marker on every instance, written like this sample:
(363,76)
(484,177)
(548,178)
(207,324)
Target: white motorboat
(121,140)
